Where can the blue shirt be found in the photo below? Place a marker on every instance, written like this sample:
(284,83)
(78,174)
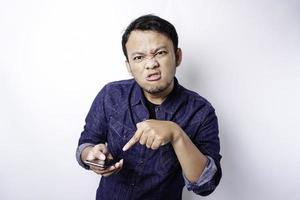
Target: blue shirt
(146,173)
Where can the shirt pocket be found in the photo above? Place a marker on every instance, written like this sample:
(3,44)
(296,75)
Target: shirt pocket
(118,136)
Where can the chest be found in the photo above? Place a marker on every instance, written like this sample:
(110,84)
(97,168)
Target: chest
(121,128)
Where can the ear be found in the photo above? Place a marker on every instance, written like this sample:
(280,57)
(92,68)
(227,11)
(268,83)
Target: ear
(178,57)
(128,67)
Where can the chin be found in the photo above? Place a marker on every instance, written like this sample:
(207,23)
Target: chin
(156,89)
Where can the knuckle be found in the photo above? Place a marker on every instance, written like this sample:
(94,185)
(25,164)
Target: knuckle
(147,125)
(159,138)
(99,145)
(152,132)
(135,138)
(140,124)
(92,151)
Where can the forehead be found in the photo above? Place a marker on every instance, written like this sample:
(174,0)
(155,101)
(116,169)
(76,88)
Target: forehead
(147,40)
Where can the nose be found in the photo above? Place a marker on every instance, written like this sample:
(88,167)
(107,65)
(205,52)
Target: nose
(151,63)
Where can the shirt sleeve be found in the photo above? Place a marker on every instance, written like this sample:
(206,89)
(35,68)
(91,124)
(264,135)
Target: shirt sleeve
(95,128)
(207,141)
(204,181)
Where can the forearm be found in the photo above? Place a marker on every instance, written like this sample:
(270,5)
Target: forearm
(192,161)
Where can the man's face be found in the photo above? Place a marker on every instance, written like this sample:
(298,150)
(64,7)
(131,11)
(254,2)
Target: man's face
(152,61)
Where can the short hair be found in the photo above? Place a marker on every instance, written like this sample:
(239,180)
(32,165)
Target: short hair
(150,23)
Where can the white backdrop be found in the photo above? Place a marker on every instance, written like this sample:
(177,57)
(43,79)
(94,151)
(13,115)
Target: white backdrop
(243,56)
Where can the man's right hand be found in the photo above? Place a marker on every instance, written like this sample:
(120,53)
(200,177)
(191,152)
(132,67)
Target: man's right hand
(100,152)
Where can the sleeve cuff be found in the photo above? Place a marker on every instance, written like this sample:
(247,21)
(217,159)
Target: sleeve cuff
(206,176)
(78,154)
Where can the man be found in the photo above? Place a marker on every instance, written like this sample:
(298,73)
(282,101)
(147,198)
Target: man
(162,135)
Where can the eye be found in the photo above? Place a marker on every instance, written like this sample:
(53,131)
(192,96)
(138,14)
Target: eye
(137,58)
(161,53)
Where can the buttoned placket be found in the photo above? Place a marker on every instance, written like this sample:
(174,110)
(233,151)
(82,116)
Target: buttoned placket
(157,109)
(140,162)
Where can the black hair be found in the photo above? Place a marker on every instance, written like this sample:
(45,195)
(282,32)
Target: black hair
(150,23)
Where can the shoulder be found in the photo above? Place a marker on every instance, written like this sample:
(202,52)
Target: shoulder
(195,98)
(197,105)
(117,93)
(118,85)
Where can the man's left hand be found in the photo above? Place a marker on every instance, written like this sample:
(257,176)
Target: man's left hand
(153,134)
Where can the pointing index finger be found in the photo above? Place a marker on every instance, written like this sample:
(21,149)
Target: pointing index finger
(135,138)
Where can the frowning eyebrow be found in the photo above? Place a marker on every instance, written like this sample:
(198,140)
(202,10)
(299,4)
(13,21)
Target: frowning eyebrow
(152,51)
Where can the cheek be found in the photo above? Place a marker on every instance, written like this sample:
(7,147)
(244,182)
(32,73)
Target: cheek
(136,69)
(169,67)
(169,63)
(137,73)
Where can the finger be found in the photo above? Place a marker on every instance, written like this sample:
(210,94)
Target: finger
(143,139)
(90,154)
(149,142)
(119,164)
(156,144)
(101,147)
(117,167)
(108,171)
(101,170)
(109,157)
(96,154)
(135,138)
(117,171)
(111,170)
(97,170)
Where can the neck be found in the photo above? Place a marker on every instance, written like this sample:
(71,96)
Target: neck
(159,98)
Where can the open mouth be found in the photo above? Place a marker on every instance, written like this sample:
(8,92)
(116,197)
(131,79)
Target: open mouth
(153,77)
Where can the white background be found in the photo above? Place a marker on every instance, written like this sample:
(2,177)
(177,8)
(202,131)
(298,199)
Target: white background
(243,56)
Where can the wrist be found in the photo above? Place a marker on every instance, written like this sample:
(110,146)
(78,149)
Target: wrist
(177,133)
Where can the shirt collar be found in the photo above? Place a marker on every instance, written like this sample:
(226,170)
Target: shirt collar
(170,103)
(136,95)
(173,100)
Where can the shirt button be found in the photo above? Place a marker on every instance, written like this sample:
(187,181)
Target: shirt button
(132,184)
(141,162)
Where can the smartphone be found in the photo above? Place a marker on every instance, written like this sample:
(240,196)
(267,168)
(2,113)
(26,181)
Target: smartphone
(101,163)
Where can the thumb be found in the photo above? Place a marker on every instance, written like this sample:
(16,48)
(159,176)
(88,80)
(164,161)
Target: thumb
(99,151)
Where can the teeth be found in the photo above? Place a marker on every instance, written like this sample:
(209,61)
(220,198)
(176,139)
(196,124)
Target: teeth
(153,75)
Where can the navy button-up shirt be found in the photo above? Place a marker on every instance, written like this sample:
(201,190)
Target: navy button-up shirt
(147,173)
